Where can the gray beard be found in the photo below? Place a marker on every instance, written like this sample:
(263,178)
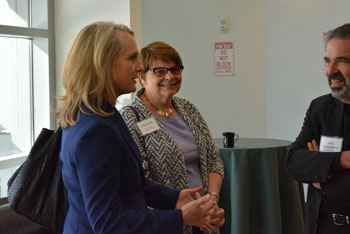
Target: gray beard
(342,94)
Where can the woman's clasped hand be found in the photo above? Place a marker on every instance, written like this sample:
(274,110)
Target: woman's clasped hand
(200,211)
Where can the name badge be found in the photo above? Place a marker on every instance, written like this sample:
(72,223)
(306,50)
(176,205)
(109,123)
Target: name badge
(331,144)
(148,126)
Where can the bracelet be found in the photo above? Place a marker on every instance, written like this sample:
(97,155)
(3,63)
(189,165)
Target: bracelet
(214,195)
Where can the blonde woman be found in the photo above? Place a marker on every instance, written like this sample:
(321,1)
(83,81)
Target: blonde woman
(107,192)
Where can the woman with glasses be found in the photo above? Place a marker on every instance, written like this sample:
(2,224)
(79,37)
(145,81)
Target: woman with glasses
(175,144)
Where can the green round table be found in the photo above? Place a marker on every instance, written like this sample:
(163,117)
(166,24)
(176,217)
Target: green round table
(258,195)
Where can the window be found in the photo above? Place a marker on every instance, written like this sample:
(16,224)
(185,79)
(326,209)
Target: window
(27,90)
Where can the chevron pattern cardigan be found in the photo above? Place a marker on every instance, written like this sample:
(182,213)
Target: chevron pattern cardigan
(162,158)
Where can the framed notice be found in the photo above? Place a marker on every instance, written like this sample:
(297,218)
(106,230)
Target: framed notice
(224,58)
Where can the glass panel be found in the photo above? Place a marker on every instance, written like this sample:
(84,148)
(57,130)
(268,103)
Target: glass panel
(39,14)
(5,174)
(41,84)
(15,101)
(14,13)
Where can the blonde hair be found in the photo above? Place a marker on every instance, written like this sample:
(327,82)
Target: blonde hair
(87,74)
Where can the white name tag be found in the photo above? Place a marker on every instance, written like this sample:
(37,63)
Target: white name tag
(148,126)
(331,144)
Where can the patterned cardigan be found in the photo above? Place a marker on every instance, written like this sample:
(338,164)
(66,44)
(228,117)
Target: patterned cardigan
(162,158)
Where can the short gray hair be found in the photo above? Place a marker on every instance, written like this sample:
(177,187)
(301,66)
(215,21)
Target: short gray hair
(341,32)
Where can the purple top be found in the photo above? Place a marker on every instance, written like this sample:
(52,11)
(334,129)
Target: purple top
(182,135)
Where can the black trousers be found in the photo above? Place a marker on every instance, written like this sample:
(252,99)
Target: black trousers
(196,230)
(326,226)
(334,230)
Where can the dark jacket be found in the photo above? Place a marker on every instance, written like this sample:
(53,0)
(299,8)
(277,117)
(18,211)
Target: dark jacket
(323,118)
(107,191)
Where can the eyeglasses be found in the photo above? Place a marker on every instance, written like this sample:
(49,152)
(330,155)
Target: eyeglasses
(163,71)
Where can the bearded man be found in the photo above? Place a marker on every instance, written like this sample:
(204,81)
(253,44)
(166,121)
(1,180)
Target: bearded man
(320,155)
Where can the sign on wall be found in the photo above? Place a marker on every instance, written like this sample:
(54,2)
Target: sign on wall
(224,58)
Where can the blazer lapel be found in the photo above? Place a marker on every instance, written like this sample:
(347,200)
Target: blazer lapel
(337,118)
(128,140)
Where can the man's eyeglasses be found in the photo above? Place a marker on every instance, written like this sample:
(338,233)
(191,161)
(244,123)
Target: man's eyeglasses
(163,71)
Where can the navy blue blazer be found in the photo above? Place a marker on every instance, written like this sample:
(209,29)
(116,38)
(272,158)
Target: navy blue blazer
(107,191)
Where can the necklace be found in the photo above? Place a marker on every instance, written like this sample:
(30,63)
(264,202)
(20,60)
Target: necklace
(165,112)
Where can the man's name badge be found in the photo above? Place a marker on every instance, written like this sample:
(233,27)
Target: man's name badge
(331,144)
(148,126)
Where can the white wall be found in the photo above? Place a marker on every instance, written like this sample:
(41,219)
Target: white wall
(294,59)
(230,103)
(279,58)
(72,16)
